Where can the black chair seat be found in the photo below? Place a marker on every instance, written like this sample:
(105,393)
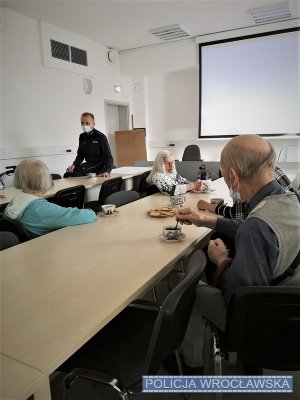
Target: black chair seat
(262,329)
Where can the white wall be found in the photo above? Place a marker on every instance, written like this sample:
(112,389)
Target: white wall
(41,106)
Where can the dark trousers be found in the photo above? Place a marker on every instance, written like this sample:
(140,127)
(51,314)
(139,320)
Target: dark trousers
(83,169)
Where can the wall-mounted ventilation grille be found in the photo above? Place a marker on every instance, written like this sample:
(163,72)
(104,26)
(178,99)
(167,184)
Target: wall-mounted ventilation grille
(60,50)
(273,13)
(170,32)
(78,56)
(65,52)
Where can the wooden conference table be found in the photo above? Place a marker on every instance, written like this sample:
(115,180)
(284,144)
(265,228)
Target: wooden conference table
(60,289)
(91,184)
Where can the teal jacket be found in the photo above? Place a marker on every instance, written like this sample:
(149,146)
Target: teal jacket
(39,217)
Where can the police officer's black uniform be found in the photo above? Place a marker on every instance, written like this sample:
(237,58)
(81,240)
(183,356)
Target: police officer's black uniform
(94,148)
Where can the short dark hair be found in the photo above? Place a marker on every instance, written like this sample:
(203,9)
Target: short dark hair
(88,114)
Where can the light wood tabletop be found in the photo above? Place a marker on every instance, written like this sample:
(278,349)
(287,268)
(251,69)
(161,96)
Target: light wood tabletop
(58,290)
(18,381)
(127,173)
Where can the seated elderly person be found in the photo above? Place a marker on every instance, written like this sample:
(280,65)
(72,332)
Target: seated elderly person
(166,178)
(32,211)
(239,210)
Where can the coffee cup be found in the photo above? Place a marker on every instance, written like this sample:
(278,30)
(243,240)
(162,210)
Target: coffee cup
(172,232)
(92,174)
(108,209)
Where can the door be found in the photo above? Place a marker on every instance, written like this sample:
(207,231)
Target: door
(117,119)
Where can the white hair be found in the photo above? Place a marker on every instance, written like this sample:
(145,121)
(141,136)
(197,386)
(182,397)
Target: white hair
(32,176)
(159,165)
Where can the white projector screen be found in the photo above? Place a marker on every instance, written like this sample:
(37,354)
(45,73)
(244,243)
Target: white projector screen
(250,85)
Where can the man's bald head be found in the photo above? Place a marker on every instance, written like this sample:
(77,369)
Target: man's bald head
(250,155)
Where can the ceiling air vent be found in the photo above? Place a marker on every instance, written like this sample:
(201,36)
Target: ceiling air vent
(60,50)
(273,13)
(78,56)
(170,32)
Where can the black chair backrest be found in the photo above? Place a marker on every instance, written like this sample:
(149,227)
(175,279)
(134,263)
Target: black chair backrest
(122,197)
(70,197)
(263,326)
(56,176)
(143,183)
(15,227)
(146,189)
(191,153)
(173,317)
(109,187)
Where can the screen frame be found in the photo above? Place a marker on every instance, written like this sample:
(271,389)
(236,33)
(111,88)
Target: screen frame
(228,40)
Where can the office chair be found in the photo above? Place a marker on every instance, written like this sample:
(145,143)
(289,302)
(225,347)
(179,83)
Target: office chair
(262,331)
(122,197)
(15,228)
(108,187)
(146,189)
(167,334)
(70,197)
(8,239)
(56,176)
(191,153)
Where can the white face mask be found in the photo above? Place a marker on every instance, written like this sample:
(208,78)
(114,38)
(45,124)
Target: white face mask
(234,195)
(86,128)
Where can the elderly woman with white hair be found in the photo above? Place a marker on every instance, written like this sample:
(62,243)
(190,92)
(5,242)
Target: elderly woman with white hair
(166,178)
(32,211)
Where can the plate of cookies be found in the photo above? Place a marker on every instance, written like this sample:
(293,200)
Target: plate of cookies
(162,212)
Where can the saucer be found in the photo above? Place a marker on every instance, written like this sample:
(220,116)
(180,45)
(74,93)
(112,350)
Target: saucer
(101,214)
(181,237)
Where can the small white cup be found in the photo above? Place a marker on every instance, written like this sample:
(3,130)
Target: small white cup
(92,174)
(170,232)
(108,209)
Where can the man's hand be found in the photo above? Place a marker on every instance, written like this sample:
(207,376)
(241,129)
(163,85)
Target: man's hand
(218,254)
(205,205)
(105,175)
(217,251)
(70,168)
(188,216)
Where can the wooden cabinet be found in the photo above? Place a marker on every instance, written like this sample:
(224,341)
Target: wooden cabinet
(130,147)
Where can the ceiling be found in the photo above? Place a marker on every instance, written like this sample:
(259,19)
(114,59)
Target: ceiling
(124,25)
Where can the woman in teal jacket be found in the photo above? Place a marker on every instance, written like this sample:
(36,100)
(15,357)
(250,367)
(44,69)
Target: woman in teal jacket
(32,211)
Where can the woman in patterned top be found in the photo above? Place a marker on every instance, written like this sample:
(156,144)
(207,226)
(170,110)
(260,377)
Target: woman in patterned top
(239,209)
(166,178)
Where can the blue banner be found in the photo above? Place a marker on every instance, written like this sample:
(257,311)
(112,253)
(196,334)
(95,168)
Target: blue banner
(214,384)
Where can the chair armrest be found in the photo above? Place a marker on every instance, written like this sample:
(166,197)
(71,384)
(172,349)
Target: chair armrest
(93,376)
